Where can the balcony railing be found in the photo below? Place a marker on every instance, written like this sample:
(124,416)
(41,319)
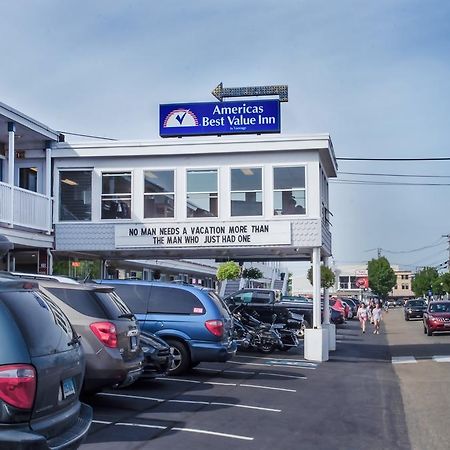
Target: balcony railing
(28,209)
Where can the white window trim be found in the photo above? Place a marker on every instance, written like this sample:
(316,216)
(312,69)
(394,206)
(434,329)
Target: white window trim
(186,192)
(241,166)
(175,195)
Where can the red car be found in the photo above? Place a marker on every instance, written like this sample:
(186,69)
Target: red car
(436,318)
(338,305)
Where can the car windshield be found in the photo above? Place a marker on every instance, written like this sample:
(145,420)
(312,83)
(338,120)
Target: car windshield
(416,303)
(440,307)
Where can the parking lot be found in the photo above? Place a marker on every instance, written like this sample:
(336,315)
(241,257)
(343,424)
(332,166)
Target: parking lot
(249,402)
(254,401)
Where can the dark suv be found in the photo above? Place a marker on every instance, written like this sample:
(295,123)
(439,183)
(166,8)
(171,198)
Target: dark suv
(193,321)
(109,331)
(41,372)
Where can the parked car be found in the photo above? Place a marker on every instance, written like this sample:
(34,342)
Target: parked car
(194,321)
(41,372)
(414,309)
(353,306)
(158,358)
(108,329)
(436,317)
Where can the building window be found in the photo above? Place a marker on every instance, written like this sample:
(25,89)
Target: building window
(28,178)
(75,194)
(202,196)
(246,192)
(343,282)
(159,193)
(116,195)
(289,190)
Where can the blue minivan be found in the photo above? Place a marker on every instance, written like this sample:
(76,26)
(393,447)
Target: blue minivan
(194,321)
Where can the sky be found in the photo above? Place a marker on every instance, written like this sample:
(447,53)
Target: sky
(373,74)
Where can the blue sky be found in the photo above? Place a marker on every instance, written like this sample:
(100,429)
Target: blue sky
(375,75)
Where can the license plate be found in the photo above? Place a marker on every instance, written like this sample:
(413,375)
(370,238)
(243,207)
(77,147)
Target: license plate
(133,342)
(68,387)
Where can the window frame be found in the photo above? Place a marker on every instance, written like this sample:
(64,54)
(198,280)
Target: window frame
(187,192)
(240,167)
(305,189)
(116,172)
(174,193)
(57,193)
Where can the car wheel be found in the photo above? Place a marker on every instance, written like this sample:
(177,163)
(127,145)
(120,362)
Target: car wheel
(429,332)
(181,360)
(424,330)
(406,318)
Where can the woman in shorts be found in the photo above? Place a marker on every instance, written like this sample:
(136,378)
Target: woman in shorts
(362,316)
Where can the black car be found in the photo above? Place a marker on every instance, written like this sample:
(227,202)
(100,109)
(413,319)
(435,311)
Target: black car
(41,372)
(415,309)
(157,356)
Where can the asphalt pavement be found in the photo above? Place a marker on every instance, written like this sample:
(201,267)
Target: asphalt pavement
(357,400)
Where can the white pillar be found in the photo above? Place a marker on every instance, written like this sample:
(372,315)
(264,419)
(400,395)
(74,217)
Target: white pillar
(48,185)
(11,157)
(316,338)
(316,288)
(326,299)
(326,315)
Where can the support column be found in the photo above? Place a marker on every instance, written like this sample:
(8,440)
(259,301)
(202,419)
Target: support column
(326,315)
(48,185)
(11,157)
(316,288)
(316,338)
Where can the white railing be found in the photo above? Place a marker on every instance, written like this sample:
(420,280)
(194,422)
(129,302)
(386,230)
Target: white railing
(29,209)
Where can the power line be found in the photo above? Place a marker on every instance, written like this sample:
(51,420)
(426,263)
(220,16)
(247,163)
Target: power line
(88,136)
(384,183)
(344,158)
(434,244)
(394,175)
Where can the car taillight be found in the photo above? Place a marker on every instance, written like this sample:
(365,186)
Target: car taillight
(215,327)
(105,332)
(18,385)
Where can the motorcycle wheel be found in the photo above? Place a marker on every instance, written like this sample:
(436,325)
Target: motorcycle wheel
(304,326)
(266,347)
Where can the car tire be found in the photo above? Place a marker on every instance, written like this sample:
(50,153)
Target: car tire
(407,318)
(181,358)
(424,330)
(429,332)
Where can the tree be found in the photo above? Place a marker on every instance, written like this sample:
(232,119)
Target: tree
(445,280)
(382,277)
(252,273)
(423,281)
(228,271)
(327,277)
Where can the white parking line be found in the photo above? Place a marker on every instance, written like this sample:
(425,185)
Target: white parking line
(183,380)
(272,365)
(268,387)
(403,360)
(189,430)
(247,372)
(193,402)
(276,359)
(441,358)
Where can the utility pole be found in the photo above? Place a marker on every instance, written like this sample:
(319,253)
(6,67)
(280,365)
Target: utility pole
(379,252)
(448,260)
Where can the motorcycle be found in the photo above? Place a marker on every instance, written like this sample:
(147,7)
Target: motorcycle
(290,330)
(250,332)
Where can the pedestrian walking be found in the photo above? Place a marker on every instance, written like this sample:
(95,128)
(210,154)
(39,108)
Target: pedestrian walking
(362,315)
(377,314)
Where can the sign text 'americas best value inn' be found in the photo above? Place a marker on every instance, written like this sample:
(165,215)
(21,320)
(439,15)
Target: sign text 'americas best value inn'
(195,119)
(231,234)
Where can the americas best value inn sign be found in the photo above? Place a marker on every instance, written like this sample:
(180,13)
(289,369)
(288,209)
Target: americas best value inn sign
(195,119)
(217,234)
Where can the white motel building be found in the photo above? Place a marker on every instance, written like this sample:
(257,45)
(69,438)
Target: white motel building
(244,198)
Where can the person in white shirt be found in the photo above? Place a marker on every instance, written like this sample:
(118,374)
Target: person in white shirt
(362,315)
(377,316)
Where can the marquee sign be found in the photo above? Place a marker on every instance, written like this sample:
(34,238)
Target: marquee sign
(202,234)
(199,119)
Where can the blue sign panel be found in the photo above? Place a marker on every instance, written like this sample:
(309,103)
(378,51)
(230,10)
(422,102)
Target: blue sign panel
(195,119)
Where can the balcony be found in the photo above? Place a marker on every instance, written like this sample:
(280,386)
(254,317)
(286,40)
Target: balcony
(28,209)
